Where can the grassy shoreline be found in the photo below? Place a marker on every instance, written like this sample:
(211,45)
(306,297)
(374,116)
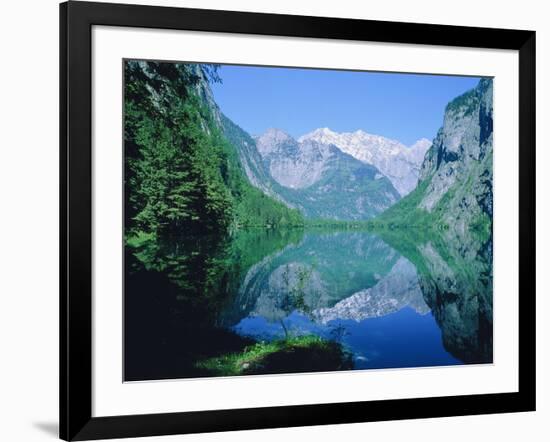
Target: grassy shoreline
(308,353)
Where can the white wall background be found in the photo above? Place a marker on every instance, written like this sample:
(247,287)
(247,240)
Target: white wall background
(29,217)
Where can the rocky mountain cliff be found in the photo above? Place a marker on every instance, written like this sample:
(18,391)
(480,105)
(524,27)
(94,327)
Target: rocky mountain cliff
(455,186)
(401,164)
(323,181)
(458,169)
(292,164)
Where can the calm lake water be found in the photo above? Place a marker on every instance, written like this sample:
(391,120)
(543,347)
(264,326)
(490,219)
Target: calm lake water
(421,301)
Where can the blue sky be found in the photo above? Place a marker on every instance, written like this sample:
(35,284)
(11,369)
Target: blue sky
(404,107)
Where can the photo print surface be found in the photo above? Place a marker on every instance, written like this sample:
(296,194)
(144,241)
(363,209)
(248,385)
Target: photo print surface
(289,220)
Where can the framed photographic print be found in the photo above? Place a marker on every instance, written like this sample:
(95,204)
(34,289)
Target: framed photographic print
(272,220)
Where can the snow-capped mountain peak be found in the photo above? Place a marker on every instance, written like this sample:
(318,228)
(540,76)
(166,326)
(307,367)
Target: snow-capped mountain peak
(401,164)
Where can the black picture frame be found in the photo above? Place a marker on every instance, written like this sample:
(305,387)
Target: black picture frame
(76,21)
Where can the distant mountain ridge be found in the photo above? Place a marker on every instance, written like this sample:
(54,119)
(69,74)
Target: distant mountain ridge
(321,180)
(401,164)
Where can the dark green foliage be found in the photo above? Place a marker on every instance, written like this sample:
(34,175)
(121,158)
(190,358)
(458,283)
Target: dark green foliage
(181,174)
(257,209)
(174,178)
(406,212)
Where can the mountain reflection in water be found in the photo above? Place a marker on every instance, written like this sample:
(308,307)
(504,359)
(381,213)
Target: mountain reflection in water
(388,299)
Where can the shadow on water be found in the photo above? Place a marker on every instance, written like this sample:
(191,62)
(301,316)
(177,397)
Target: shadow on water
(204,306)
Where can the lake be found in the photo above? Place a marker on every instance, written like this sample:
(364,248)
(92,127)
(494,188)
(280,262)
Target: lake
(283,301)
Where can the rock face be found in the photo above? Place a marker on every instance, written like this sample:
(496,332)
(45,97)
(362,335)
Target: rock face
(323,181)
(399,163)
(455,188)
(459,166)
(292,164)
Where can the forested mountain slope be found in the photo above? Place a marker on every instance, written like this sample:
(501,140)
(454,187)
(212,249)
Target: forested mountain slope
(182,176)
